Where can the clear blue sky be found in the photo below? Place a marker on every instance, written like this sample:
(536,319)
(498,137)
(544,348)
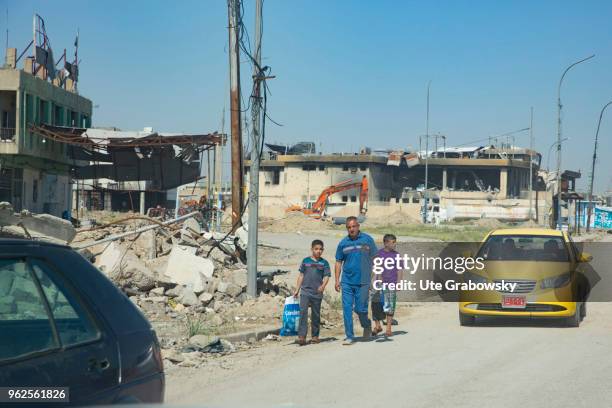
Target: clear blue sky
(349,73)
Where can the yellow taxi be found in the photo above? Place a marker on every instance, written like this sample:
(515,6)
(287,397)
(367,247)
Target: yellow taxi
(540,272)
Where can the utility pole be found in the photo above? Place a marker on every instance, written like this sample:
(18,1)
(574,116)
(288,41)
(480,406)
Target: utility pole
(531,165)
(233,11)
(425,193)
(208,177)
(218,178)
(256,100)
(559,107)
(590,210)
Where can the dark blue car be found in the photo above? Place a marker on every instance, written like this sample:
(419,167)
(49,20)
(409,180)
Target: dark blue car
(64,324)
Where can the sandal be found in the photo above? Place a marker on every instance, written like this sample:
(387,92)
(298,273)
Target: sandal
(315,340)
(376,331)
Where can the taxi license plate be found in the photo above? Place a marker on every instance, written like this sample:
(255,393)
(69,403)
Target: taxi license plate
(514,302)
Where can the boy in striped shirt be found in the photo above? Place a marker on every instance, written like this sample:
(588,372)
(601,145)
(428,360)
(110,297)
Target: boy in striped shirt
(314,275)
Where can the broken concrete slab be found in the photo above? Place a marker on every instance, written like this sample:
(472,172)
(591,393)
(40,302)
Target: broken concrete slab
(156,299)
(222,287)
(185,268)
(191,224)
(49,226)
(125,269)
(188,298)
(176,291)
(233,290)
(205,298)
(215,320)
(237,276)
(133,272)
(110,258)
(43,226)
(172,355)
(257,334)
(7,215)
(212,285)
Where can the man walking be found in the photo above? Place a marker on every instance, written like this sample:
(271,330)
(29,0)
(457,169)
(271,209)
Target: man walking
(354,262)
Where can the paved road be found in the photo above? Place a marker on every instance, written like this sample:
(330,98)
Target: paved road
(433,363)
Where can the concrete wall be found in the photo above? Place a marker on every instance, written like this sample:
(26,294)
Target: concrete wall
(297,186)
(46,192)
(502,209)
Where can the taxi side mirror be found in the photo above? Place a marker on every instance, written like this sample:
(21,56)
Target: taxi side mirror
(585,257)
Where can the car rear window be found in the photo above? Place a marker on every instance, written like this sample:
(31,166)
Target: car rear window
(74,324)
(524,248)
(25,326)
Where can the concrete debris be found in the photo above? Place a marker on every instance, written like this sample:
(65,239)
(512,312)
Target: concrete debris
(185,268)
(201,340)
(272,337)
(133,273)
(216,320)
(36,226)
(186,281)
(223,287)
(176,291)
(205,344)
(233,290)
(156,299)
(110,258)
(205,298)
(188,298)
(172,356)
(49,226)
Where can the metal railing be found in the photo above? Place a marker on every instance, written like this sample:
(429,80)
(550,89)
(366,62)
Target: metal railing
(7,133)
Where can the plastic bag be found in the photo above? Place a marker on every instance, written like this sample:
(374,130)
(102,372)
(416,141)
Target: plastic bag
(291,317)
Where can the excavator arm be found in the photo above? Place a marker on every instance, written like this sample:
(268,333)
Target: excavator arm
(319,206)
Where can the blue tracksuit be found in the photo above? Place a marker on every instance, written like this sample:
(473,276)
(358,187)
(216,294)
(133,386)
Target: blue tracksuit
(356,257)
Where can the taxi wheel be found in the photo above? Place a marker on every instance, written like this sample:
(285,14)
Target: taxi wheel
(583,310)
(466,320)
(574,321)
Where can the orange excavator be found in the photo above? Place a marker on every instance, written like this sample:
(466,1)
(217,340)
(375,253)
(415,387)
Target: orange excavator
(318,208)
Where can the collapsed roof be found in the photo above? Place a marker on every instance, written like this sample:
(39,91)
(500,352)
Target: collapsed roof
(168,159)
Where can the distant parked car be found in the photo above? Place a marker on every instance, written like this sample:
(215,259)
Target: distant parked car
(64,324)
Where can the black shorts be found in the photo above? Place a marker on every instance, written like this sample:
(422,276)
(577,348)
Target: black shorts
(377,307)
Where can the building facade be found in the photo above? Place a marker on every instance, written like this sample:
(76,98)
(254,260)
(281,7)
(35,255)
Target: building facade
(34,171)
(474,183)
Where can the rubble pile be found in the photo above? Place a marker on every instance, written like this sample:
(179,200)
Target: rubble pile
(190,283)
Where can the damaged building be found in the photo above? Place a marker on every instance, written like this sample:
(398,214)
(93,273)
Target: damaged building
(130,170)
(462,183)
(47,142)
(35,171)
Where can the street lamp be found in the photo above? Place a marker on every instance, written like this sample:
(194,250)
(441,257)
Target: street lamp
(426,195)
(588,226)
(550,148)
(559,106)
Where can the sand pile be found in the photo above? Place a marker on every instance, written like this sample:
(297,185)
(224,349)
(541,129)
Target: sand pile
(396,218)
(293,222)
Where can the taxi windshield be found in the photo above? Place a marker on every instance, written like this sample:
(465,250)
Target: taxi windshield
(524,248)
